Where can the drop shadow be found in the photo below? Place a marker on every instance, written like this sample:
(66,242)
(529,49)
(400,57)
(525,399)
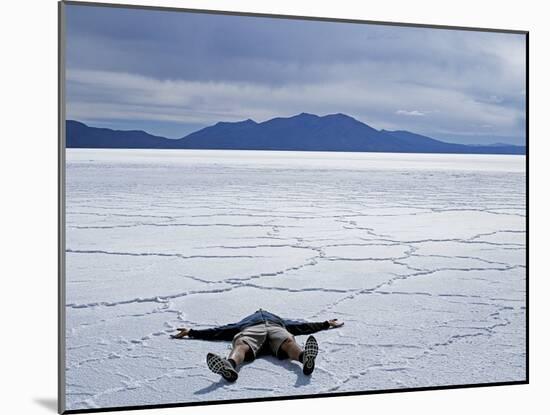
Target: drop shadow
(220,384)
(211,388)
(48,403)
(287,364)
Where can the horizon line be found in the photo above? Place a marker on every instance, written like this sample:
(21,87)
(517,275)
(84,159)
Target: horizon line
(294,116)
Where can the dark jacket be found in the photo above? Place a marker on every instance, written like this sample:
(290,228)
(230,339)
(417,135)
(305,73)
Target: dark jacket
(227,331)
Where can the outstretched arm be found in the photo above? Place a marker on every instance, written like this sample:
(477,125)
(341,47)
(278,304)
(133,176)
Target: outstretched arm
(299,328)
(226,332)
(183,332)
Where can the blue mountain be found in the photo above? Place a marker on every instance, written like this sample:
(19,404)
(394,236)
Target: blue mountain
(303,132)
(79,135)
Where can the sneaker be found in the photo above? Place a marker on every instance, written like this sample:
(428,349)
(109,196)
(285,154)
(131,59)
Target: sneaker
(311,349)
(221,366)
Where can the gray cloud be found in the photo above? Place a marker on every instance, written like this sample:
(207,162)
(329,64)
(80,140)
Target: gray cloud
(194,69)
(413,113)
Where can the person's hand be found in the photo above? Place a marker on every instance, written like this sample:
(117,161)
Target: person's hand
(182,333)
(334,323)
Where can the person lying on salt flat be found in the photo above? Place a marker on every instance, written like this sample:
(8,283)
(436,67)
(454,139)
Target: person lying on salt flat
(260,333)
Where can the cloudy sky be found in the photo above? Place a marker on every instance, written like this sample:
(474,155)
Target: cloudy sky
(171,73)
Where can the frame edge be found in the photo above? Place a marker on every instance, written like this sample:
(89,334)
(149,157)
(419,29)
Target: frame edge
(61,384)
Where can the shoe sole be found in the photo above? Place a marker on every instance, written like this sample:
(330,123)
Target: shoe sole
(220,366)
(311,349)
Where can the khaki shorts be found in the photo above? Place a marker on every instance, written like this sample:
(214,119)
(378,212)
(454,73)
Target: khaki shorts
(269,334)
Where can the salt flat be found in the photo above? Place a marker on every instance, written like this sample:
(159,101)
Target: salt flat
(423,257)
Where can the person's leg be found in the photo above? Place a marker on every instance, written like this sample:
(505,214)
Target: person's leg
(306,356)
(245,346)
(292,349)
(239,352)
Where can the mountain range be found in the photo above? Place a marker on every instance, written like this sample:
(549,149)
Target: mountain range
(303,132)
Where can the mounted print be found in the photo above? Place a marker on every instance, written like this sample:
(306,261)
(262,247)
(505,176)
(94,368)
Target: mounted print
(256,207)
